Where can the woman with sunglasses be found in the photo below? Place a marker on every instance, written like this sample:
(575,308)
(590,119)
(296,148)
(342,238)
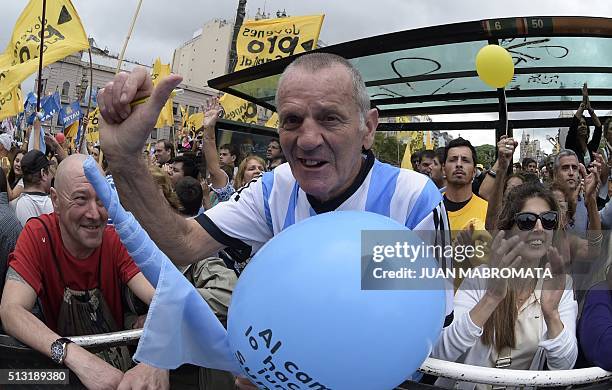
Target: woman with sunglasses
(524,323)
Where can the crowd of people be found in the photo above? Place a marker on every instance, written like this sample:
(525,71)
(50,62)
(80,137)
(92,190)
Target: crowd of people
(66,273)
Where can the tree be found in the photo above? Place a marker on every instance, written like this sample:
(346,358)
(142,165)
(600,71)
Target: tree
(485,155)
(388,149)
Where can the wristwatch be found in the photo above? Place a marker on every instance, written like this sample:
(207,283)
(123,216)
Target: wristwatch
(59,349)
(492,173)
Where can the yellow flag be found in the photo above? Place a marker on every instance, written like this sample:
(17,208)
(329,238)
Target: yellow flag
(184,116)
(195,121)
(237,109)
(406,164)
(11,103)
(71,130)
(160,71)
(429,141)
(414,141)
(63,35)
(273,121)
(92,134)
(266,40)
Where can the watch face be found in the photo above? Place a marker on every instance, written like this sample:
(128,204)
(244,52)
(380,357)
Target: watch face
(57,351)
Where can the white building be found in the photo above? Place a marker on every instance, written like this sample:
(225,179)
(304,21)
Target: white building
(206,55)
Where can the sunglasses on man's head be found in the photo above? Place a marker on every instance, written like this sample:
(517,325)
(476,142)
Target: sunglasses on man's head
(527,220)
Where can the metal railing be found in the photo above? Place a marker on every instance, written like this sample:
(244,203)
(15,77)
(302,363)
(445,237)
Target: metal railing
(440,368)
(504,377)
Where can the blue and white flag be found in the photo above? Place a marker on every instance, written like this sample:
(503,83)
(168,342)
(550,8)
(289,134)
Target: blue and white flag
(70,114)
(42,146)
(50,105)
(30,102)
(94,97)
(180,326)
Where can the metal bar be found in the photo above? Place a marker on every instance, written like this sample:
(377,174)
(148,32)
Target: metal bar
(40,54)
(458,371)
(105,340)
(225,124)
(252,99)
(463,74)
(492,107)
(513,93)
(502,128)
(481,125)
(506,377)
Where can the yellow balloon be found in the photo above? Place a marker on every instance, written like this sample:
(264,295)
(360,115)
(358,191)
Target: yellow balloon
(494,66)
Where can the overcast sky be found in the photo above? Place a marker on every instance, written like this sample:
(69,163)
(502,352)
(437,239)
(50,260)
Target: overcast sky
(163,25)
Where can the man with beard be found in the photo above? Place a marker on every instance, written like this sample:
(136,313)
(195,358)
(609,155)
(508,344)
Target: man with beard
(466,210)
(462,205)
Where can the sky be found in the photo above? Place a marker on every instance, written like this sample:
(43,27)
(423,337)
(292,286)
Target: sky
(163,25)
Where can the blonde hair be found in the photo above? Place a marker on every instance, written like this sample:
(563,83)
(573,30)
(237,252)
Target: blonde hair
(165,184)
(239,179)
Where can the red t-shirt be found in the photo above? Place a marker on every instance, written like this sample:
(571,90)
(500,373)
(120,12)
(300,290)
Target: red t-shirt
(33,260)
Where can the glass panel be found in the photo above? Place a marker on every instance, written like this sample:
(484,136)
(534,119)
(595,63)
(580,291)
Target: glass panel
(555,52)
(474,84)
(260,88)
(559,51)
(576,99)
(454,57)
(247,143)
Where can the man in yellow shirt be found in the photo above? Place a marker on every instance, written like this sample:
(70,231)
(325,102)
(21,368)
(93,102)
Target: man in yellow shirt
(464,208)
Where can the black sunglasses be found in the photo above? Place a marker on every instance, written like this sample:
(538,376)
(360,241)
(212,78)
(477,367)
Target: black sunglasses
(527,220)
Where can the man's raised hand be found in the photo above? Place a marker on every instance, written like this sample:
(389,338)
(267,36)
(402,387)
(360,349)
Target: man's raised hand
(124,128)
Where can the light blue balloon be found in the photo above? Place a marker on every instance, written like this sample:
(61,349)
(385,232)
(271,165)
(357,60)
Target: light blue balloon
(300,320)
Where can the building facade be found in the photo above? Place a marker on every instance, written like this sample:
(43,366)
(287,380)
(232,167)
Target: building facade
(71,78)
(206,55)
(531,149)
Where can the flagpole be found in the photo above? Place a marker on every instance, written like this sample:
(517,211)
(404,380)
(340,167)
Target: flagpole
(127,38)
(84,130)
(40,55)
(36,128)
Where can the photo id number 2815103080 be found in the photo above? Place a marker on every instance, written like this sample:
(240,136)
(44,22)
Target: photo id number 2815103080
(30,376)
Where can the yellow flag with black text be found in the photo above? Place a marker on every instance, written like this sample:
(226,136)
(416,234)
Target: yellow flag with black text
(92,134)
(194,122)
(160,71)
(184,116)
(237,109)
(11,104)
(266,40)
(273,121)
(63,35)
(71,131)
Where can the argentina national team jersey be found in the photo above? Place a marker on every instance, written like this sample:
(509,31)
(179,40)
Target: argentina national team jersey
(271,203)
